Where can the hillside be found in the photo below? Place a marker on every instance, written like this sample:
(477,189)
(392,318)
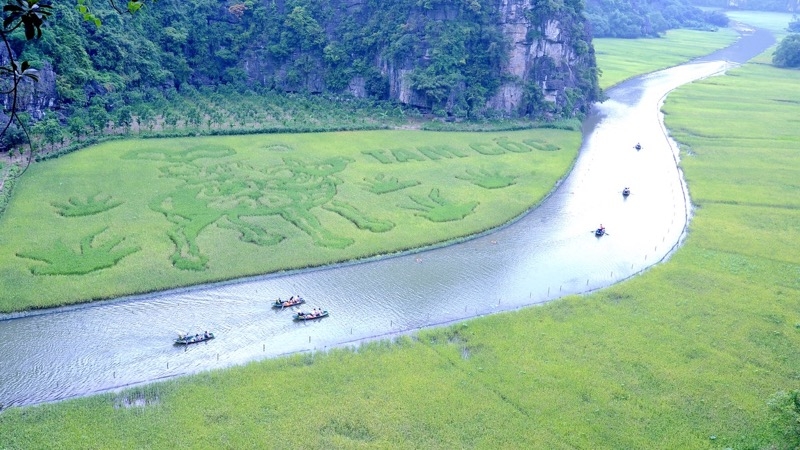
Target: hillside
(464,59)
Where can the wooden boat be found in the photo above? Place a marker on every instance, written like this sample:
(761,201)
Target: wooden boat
(187,339)
(294,301)
(626,192)
(310,315)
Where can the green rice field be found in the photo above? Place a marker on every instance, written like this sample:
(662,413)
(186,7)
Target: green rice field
(701,352)
(620,59)
(142,215)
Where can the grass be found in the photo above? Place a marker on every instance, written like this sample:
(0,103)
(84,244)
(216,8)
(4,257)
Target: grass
(163,213)
(777,22)
(685,356)
(620,59)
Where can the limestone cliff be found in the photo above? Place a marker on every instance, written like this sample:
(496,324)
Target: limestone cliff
(455,58)
(34,98)
(544,64)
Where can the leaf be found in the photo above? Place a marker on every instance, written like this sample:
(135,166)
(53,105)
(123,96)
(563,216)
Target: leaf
(133,6)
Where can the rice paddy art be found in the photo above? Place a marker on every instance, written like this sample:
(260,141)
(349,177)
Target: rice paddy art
(381,184)
(542,145)
(228,191)
(77,207)
(488,179)
(358,218)
(436,208)
(90,256)
(205,209)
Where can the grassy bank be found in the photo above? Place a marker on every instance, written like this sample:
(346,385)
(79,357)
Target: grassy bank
(686,356)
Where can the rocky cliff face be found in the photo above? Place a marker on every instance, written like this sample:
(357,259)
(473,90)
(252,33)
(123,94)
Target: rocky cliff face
(549,66)
(549,61)
(34,98)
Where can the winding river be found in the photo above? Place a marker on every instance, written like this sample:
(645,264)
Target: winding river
(548,253)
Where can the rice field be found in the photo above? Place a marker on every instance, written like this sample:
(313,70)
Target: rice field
(620,59)
(142,215)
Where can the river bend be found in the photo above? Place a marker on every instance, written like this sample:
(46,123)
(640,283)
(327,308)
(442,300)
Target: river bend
(548,253)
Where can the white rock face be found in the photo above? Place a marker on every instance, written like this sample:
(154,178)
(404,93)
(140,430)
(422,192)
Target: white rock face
(524,54)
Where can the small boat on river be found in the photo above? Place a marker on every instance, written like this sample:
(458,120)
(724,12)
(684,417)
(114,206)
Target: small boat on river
(626,192)
(600,231)
(638,146)
(293,301)
(316,314)
(187,339)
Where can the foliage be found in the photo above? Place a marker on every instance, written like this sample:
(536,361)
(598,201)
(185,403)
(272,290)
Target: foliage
(791,6)
(788,52)
(794,25)
(123,75)
(640,18)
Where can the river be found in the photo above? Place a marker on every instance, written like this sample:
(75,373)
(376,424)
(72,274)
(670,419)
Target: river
(549,253)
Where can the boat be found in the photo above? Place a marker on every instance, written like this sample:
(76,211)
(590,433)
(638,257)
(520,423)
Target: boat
(626,192)
(600,231)
(310,315)
(293,301)
(186,339)
(638,146)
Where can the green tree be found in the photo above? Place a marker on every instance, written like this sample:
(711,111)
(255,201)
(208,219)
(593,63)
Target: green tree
(788,52)
(76,125)
(51,130)
(23,21)
(123,117)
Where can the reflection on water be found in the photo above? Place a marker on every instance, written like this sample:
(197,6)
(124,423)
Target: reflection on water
(549,253)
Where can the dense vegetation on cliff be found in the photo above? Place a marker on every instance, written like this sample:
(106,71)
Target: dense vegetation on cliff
(753,5)
(447,57)
(640,18)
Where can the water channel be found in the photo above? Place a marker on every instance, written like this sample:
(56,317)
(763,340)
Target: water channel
(549,253)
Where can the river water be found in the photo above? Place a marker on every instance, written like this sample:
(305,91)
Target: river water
(548,253)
